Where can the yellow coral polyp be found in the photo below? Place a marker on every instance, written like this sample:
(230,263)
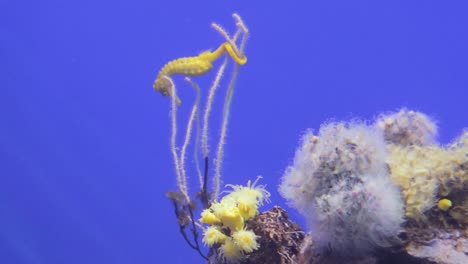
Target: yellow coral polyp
(253,192)
(444,204)
(230,251)
(232,218)
(213,235)
(246,240)
(228,213)
(247,208)
(209,218)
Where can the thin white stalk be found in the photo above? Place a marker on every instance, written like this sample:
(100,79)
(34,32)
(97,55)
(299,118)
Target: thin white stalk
(222,137)
(209,104)
(195,115)
(180,183)
(227,107)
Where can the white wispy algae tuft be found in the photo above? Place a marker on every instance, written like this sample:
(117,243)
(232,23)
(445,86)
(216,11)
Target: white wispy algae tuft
(408,127)
(340,182)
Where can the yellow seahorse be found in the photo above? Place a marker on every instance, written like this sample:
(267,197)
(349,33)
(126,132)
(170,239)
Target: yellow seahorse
(194,66)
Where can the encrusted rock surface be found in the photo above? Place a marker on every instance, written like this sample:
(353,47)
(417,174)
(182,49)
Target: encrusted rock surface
(279,239)
(283,241)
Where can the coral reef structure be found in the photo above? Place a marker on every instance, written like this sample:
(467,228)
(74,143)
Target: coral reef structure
(278,238)
(426,172)
(381,192)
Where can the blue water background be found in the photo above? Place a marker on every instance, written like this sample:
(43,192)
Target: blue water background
(84,140)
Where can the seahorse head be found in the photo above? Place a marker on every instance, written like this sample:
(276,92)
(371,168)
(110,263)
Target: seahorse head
(165,86)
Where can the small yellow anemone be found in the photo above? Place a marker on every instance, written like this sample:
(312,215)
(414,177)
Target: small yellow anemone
(246,240)
(207,217)
(232,218)
(248,198)
(213,235)
(230,251)
(247,207)
(251,191)
(228,213)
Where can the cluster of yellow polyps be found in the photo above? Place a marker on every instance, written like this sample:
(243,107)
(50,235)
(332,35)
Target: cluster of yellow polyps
(226,221)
